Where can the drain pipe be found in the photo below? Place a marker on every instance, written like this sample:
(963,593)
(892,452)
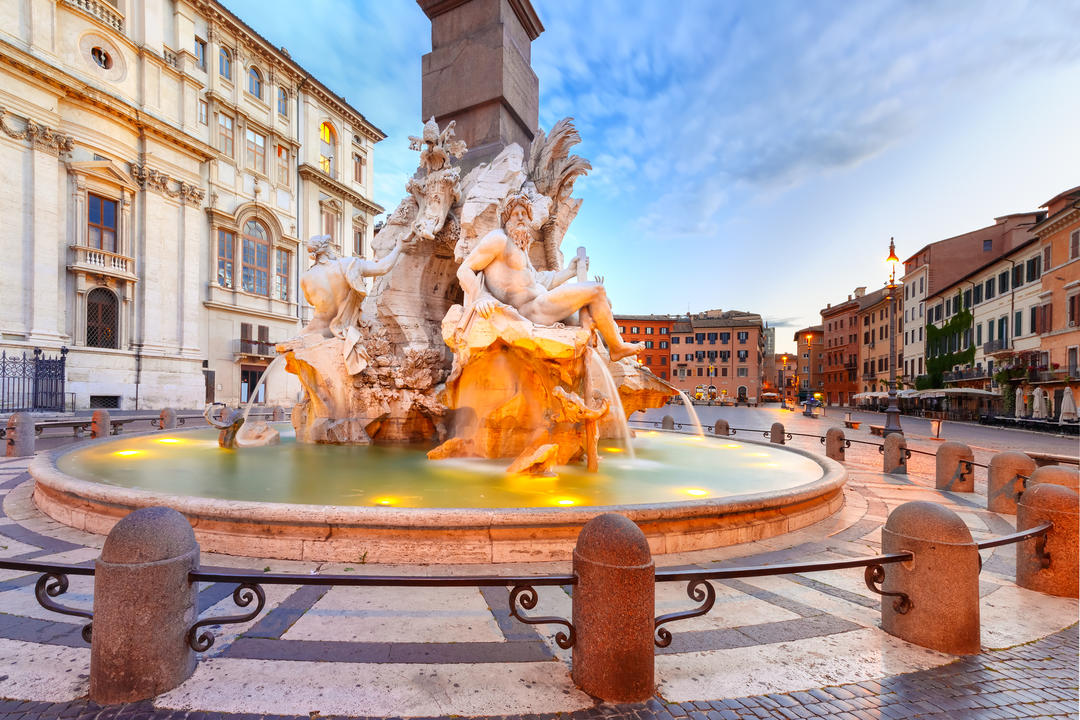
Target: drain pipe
(138,375)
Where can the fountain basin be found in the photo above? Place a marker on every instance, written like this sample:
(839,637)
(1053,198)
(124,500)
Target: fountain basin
(371,532)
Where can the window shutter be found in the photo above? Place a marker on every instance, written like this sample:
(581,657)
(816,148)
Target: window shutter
(245,331)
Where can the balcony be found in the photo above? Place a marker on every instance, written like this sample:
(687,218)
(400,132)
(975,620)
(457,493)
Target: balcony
(246,347)
(968,374)
(103,262)
(102,11)
(869,377)
(996,347)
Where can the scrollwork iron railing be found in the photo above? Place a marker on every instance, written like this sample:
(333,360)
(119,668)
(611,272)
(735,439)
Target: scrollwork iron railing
(248,590)
(53,583)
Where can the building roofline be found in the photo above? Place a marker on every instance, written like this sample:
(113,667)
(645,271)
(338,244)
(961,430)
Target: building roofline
(976,271)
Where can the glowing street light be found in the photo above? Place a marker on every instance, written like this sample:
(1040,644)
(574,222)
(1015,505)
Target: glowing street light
(892,412)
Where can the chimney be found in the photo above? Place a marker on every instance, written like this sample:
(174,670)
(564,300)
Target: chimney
(860,291)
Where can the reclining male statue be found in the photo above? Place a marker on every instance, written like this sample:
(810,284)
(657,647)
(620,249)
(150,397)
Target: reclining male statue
(498,271)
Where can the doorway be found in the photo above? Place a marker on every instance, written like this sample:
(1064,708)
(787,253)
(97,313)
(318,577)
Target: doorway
(249,378)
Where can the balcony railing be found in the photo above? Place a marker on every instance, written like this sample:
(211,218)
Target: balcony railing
(995,346)
(103,261)
(255,348)
(101,11)
(968,374)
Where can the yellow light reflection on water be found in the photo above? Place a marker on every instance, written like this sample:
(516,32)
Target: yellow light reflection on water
(385,501)
(170,441)
(612,450)
(566,501)
(696,492)
(127,453)
(733,445)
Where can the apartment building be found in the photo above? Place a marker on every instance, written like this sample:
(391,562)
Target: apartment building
(654,332)
(809,348)
(720,351)
(841,348)
(875,320)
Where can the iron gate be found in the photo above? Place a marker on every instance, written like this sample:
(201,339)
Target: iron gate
(32,383)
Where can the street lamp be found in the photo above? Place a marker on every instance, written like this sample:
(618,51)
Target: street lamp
(892,413)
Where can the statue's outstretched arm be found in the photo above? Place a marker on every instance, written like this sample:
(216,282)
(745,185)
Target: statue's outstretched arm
(383,266)
(480,257)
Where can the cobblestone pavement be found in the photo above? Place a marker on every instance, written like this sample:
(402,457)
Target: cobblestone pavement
(792,646)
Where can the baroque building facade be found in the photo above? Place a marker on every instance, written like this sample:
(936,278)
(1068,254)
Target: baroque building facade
(163,164)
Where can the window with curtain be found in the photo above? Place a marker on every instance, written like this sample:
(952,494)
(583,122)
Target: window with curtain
(255,259)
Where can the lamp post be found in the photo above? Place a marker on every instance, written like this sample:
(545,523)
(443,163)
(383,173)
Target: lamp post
(892,413)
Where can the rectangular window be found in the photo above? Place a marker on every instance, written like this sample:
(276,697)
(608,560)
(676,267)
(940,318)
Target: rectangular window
(1033,320)
(256,151)
(1047,261)
(976,296)
(674,339)
(1017,276)
(359,233)
(700,372)
(689,340)
(663,331)
(675,357)
(1074,245)
(329,226)
(1018,325)
(742,372)
(699,338)
(225,134)
(663,344)
(226,243)
(978,335)
(967,299)
(1003,282)
(648,331)
(725,338)
(743,337)
(988,245)
(1072,305)
(281,280)
(283,102)
(101,223)
(1034,269)
(200,53)
(742,355)
(648,345)
(203,110)
(634,329)
(282,165)
(358,163)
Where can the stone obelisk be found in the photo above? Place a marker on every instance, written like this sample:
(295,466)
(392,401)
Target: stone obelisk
(479,73)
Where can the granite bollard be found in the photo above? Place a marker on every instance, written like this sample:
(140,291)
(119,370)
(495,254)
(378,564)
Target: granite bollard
(100,424)
(942,582)
(776,433)
(613,608)
(894,454)
(954,471)
(722,428)
(667,422)
(1056,475)
(143,607)
(835,442)
(20,435)
(1058,575)
(168,419)
(1004,483)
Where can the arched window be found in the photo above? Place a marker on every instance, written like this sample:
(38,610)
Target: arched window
(282,102)
(225,64)
(328,141)
(255,83)
(255,259)
(101,319)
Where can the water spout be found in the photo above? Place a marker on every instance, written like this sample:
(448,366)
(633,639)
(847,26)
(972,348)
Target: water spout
(692,413)
(243,432)
(612,392)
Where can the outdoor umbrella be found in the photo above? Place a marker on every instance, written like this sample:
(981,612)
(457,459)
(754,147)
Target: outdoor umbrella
(1068,406)
(1038,407)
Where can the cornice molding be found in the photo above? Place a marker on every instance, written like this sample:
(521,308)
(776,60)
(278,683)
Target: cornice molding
(310,172)
(39,136)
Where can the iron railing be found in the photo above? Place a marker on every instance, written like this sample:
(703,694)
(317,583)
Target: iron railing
(53,582)
(33,383)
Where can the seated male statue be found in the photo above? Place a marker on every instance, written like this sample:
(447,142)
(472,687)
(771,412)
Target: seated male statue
(499,265)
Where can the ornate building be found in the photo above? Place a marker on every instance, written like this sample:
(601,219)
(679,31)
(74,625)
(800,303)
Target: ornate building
(163,164)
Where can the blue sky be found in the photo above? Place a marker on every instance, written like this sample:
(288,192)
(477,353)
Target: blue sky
(751,155)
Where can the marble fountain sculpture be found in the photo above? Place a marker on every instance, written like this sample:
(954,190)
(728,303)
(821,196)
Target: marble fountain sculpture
(473,333)
(464,400)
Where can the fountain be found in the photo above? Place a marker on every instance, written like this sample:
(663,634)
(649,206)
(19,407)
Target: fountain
(470,406)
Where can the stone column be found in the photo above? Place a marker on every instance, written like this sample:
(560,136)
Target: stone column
(722,428)
(894,455)
(1056,475)
(101,425)
(942,582)
(1058,575)
(954,470)
(20,435)
(835,444)
(614,605)
(667,423)
(776,433)
(1003,484)
(143,607)
(168,419)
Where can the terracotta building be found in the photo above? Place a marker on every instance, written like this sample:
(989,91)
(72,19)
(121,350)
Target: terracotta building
(654,332)
(939,264)
(1058,318)
(841,348)
(873,322)
(810,344)
(784,378)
